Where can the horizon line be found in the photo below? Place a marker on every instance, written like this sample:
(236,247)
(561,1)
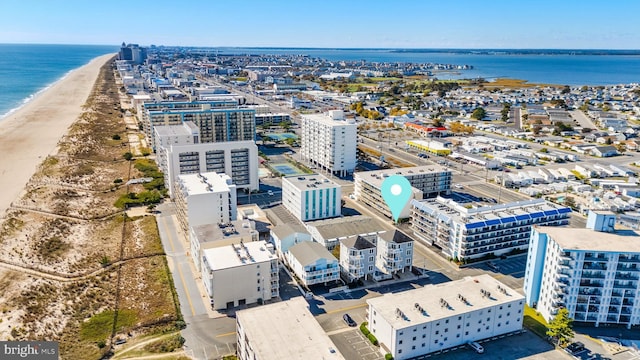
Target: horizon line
(332,48)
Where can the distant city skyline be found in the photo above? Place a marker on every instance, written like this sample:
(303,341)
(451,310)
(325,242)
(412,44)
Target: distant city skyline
(499,24)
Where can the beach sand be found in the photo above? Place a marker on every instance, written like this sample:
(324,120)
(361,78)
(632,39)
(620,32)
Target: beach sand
(31,133)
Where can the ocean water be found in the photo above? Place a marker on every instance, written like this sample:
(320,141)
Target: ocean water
(26,69)
(552,67)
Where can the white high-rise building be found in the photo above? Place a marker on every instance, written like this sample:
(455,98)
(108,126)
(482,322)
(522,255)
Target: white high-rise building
(592,272)
(208,198)
(330,141)
(311,197)
(240,274)
(437,317)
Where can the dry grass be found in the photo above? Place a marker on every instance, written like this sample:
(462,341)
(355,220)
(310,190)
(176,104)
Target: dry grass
(48,230)
(502,83)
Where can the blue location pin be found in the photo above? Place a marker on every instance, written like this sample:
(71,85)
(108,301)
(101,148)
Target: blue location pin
(396,192)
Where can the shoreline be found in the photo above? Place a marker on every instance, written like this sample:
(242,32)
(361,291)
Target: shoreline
(24,102)
(31,132)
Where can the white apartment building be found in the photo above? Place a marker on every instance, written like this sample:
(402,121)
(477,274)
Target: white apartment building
(283,330)
(394,252)
(240,274)
(313,263)
(427,181)
(186,133)
(468,233)
(329,141)
(237,159)
(207,198)
(436,317)
(592,272)
(311,197)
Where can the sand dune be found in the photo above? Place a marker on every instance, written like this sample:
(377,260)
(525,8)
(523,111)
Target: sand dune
(28,135)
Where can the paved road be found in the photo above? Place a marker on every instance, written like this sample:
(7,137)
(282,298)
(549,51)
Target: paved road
(206,337)
(582,119)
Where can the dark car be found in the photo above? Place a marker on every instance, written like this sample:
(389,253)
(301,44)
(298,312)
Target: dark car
(347,318)
(575,348)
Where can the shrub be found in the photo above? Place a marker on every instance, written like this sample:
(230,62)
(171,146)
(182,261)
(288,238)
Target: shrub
(373,339)
(117,181)
(363,328)
(116,137)
(127,156)
(388,356)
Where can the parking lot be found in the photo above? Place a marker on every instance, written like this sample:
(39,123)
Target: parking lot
(353,345)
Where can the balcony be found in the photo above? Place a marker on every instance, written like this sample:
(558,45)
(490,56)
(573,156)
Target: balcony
(593,274)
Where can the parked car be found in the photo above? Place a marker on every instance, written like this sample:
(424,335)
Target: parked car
(493,266)
(476,347)
(270,193)
(575,348)
(347,318)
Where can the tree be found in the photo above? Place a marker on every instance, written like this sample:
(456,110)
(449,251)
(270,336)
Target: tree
(565,90)
(479,113)
(544,150)
(569,201)
(127,156)
(560,327)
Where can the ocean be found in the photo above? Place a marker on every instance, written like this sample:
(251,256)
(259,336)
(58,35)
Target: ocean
(26,69)
(542,67)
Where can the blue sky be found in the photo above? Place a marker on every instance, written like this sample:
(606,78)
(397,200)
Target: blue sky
(573,24)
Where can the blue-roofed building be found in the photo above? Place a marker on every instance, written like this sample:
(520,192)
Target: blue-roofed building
(470,233)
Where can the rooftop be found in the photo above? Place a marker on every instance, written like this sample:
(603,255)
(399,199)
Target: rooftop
(210,182)
(442,300)
(310,182)
(235,229)
(270,326)
(376,177)
(284,230)
(346,226)
(325,119)
(187,128)
(231,256)
(395,236)
(308,252)
(627,241)
(357,242)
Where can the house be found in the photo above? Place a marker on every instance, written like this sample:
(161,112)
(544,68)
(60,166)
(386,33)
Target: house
(604,151)
(357,258)
(312,263)
(395,252)
(284,236)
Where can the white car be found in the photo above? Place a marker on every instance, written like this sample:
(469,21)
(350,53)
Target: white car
(270,193)
(458,186)
(476,347)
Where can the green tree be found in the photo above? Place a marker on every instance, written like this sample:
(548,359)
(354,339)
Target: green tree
(127,156)
(560,327)
(565,90)
(479,113)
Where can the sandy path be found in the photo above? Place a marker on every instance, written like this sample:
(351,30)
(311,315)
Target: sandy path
(31,133)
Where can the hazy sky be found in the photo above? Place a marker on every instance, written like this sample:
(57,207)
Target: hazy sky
(574,24)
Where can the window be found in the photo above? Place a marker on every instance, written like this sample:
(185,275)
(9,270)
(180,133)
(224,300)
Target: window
(414,338)
(487,328)
(400,351)
(446,330)
(445,339)
(413,347)
(437,332)
(466,333)
(424,336)
(458,326)
(401,333)
(459,317)
(258,288)
(423,344)
(400,342)
(446,321)
(435,341)
(457,336)
(415,329)
(498,324)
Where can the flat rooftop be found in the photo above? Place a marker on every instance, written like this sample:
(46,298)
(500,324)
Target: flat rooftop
(235,229)
(429,298)
(376,177)
(286,330)
(173,130)
(346,226)
(623,241)
(231,256)
(197,184)
(328,120)
(310,182)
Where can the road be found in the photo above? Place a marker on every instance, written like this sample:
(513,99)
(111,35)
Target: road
(582,119)
(206,337)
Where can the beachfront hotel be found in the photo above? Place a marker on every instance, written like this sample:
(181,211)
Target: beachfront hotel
(329,141)
(426,181)
(283,330)
(470,233)
(592,272)
(207,198)
(179,152)
(311,197)
(437,317)
(218,120)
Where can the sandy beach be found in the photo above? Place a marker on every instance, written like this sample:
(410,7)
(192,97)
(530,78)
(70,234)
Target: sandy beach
(30,134)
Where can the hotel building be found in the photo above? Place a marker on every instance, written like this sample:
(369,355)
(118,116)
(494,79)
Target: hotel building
(437,317)
(329,141)
(179,152)
(592,272)
(311,197)
(468,233)
(207,198)
(284,330)
(241,274)
(427,181)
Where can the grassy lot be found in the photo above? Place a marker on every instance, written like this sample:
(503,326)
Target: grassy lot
(513,84)
(535,322)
